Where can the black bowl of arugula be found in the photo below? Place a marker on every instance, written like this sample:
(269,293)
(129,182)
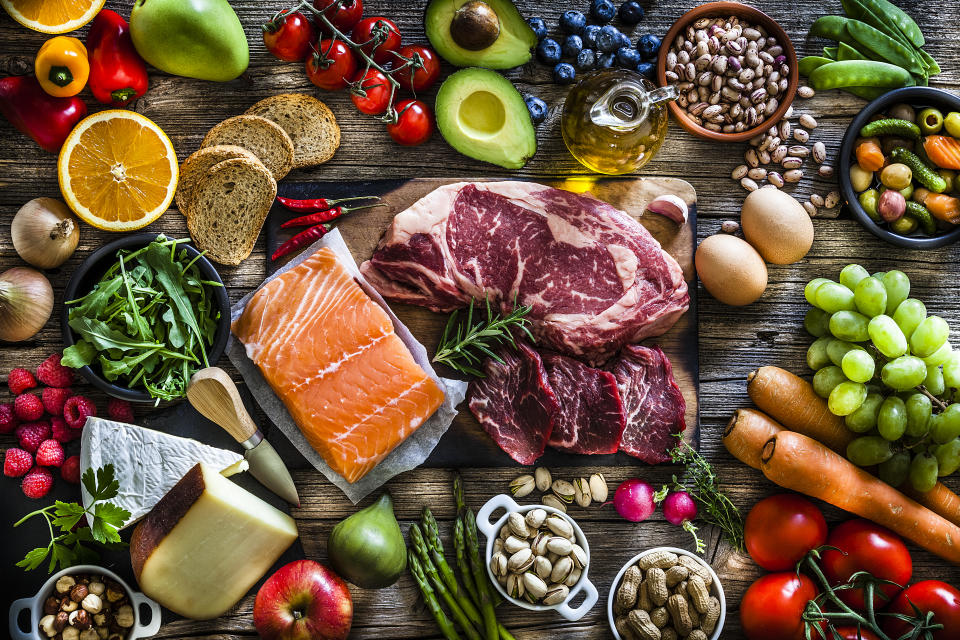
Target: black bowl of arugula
(142,314)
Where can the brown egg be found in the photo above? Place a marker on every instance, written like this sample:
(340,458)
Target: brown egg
(730,269)
(777,226)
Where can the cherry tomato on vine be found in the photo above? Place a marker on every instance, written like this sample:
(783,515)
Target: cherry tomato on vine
(364,32)
(331,64)
(773,605)
(376,89)
(851,633)
(425,74)
(288,36)
(865,546)
(343,17)
(781,529)
(928,595)
(414,123)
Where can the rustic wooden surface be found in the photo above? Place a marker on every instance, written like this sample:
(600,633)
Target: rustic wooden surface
(732,341)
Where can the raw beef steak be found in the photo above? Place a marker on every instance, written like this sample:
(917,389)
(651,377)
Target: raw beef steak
(653,404)
(591,418)
(515,404)
(594,277)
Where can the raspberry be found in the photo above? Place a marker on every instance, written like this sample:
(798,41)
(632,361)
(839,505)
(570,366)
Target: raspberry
(54,399)
(8,421)
(27,407)
(61,432)
(50,454)
(53,374)
(16,462)
(37,483)
(20,380)
(77,409)
(120,410)
(31,434)
(70,470)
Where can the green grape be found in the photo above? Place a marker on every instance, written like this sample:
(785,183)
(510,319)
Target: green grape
(867,451)
(947,425)
(864,419)
(934,381)
(858,365)
(897,285)
(896,470)
(826,379)
(817,322)
(817,357)
(851,274)
(923,472)
(836,349)
(909,315)
(833,297)
(870,297)
(940,356)
(850,326)
(878,275)
(892,421)
(809,291)
(919,409)
(887,336)
(846,397)
(903,373)
(951,371)
(948,457)
(929,336)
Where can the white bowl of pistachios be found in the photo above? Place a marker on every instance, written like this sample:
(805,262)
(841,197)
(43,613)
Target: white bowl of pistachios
(537,557)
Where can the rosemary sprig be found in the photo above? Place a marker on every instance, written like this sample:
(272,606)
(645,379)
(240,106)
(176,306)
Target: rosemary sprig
(464,345)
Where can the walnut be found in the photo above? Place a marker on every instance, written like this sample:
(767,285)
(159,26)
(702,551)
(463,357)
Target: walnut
(46,625)
(65,583)
(71,633)
(92,603)
(80,619)
(96,587)
(61,621)
(89,634)
(51,606)
(124,616)
(79,592)
(68,605)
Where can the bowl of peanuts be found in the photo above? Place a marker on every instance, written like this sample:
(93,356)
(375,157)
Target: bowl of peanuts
(666,593)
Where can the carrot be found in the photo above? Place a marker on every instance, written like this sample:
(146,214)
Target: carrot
(796,462)
(940,500)
(869,155)
(943,207)
(746,433)
(943,151)
(791,401)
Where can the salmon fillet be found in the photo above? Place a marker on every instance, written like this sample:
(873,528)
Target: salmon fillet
(330,353)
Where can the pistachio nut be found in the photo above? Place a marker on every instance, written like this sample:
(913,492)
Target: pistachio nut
(504,533)
(515,588)
(535,518)
(543,479)
(581,488)
(539,543)
(556,593)
(518,526)
(502,580)
(534,585)
(598,488)
(561,569)
(497,544)
(513,544)
(560,546)
(523,486)
(554,502)
(559,525)
(551,556)
(573,578)
(520,561)
(542,567)
(578,555)
(498,564)
(563,490)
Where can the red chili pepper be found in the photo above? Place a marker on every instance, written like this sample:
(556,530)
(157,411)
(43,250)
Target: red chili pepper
(315,205)
(300,240)
(33,111)
(117,72)
(319,217)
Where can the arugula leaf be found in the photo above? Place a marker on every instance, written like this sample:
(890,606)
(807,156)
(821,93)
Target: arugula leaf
(113,369)
(101,336)
(78,355)
(169,277)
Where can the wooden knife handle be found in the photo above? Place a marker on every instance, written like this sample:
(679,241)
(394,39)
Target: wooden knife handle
(213,393)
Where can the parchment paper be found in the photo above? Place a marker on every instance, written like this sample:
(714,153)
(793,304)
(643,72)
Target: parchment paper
(413,451)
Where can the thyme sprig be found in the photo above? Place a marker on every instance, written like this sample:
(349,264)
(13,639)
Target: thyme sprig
(464,345)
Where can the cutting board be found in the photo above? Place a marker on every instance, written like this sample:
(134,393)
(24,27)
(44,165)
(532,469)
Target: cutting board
(466,444)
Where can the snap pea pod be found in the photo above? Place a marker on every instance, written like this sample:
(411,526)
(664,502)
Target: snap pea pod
(922,173)
(891,127)
(922,215)
(867,93)
(904,23)
(860,73)
(857,10)
(846,52)
(932,67)
(809,63)
(885,46)
(832,28)
(831,53)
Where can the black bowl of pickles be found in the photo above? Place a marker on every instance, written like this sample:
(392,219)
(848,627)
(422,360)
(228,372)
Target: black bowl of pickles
(900,167)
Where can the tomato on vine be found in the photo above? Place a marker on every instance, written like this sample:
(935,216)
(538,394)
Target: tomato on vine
(331,65)
(865,546)
(423,70)
(414,123)
(371,31)
(372,93)
(288,36)
(344,16)
(781,529)
(928,596)
(773,605)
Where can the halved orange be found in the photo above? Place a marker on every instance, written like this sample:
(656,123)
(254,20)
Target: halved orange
(52,16)
(118,170)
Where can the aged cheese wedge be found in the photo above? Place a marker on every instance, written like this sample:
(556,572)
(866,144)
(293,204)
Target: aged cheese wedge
(206,543)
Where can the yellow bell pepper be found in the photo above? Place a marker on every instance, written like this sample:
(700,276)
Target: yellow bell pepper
(62,66)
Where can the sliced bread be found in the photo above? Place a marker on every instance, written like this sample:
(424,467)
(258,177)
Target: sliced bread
(227,209)
(264,138)
(309,123)
(197,165)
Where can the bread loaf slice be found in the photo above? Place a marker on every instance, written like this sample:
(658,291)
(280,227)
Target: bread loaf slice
(197,165)
(309,123)
(264,138)
(228,207)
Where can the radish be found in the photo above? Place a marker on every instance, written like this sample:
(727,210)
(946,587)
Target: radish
(633,500)
(680,509)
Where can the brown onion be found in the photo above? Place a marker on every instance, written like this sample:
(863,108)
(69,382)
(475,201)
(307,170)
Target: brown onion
(45,233)
(26,300)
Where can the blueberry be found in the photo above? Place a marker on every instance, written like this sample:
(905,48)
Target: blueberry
(585,61)
(631,12)
(648,46)
(608,40)
(647,70)
(572,45)
(606,60)
(548,51)
(539,27)
(589,34)
(602,10)
(564,73)
(625,40)
(628,57)
(573,22)
(536,107)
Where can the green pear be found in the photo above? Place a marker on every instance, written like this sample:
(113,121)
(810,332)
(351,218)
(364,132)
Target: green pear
(193,38)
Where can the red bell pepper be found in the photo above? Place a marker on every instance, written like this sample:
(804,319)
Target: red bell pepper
(33,111)
(117,72)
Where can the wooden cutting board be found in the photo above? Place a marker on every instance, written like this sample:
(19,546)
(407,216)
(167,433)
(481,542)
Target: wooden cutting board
(466,444)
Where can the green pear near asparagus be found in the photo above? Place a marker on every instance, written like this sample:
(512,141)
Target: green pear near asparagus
(193,38)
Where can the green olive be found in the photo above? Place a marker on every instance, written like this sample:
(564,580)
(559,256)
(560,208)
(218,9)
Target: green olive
(868,200)
(860,178)
(904,226)
(952,124)
(949,177)
(930,120)
(896,176)
(907,191)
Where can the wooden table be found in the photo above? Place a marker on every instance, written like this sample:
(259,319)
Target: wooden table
(732,341)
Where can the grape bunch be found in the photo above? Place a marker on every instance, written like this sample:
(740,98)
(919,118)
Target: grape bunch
(888,368)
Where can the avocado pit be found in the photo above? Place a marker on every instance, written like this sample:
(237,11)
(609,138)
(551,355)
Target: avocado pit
(475,26)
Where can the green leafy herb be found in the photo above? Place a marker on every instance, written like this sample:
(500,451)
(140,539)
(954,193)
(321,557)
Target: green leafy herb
(464,345)
(68,547)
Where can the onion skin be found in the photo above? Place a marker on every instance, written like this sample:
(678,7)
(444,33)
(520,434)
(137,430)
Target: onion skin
(45,233)
(26,301)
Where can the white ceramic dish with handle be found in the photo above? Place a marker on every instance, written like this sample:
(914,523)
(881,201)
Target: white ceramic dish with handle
(35,606)
(715,588)
(492,529)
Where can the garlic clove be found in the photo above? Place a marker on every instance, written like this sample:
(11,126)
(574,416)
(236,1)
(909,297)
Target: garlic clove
(669,206)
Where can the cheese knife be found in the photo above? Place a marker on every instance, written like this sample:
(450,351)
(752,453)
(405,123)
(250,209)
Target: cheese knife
(213,393)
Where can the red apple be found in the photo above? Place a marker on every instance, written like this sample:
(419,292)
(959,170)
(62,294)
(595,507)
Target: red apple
(303,600)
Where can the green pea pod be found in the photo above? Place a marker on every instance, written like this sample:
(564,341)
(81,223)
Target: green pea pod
(809,63)
(858,10)
(832,28)
(860,73)
(922,173)
(831,52)
(891,127)
(884,46)
(904,23)
(922,215)
(846,52)
(932,67)
(867,93)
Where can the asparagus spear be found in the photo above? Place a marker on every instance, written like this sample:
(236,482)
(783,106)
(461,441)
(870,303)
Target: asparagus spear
(460,549)
(476,566)
(416,536)
(435,546)
(430,598)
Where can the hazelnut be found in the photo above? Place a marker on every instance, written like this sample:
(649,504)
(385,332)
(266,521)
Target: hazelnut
(114,592)
(100,619)
(96,587)
(68,605)
(83,579)
(103,632)
(79,592)
(115,636)
(71,633)
(92,603)
(46,625)
(65,583)
(51,606)
(124,616)
(89,634)
(80,619)
(61,621)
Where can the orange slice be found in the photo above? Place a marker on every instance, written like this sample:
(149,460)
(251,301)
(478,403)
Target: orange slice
(118,170)
(52,16)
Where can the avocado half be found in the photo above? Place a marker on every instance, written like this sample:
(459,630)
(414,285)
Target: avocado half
(483,116)
(511,48)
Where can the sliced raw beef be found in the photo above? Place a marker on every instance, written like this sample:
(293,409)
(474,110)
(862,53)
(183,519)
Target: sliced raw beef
(594,277)
(515,404)
(591,417)
(652,401)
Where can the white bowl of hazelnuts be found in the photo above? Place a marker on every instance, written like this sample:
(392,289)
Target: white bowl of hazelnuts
(85,602)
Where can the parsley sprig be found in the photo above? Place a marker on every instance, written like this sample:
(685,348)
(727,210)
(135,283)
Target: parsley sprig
(464,345)
(69,546)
